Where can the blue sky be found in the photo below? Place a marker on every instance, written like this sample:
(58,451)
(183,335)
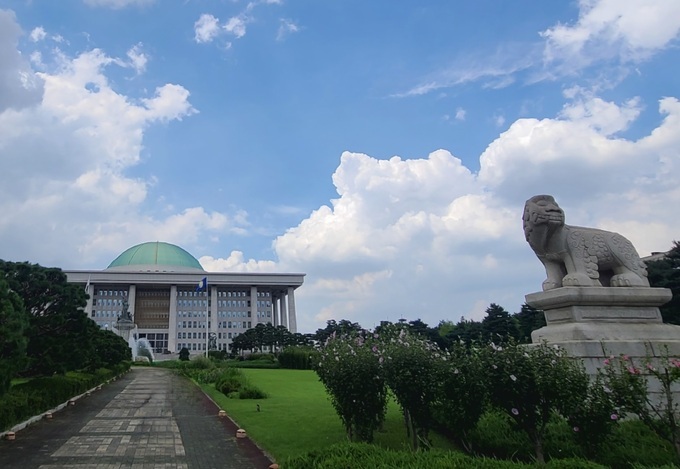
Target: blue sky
(383,148)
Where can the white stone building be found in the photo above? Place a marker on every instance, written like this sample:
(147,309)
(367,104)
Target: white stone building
(158,283)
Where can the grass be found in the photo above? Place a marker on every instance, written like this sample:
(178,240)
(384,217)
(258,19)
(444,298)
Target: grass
(298,417)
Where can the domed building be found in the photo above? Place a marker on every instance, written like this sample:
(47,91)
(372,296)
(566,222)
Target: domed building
(175,303)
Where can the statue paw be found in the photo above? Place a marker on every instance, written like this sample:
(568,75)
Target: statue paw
(579,280)
(550,285)
(628,280)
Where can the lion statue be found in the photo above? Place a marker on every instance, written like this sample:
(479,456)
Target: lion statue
(579,257)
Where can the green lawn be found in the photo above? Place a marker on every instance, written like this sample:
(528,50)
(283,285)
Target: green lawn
(298,417)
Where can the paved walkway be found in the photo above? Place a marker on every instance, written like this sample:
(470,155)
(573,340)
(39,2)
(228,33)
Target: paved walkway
(148,419)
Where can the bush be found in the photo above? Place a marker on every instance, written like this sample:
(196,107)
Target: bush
(633,444)
(184,354)
(264,357)
(298,358)
(38,395)
(364,455)
(249,391)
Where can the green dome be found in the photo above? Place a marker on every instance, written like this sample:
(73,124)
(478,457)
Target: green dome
(156,256)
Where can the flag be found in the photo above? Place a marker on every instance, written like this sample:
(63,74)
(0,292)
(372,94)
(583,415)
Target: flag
(202,285)
(87,285)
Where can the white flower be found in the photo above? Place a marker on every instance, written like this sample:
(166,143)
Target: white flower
(513,377)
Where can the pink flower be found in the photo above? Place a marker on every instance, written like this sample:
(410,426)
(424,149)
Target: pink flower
(606,361)
(633,371)
(514,411)
(625,358)
(614,417)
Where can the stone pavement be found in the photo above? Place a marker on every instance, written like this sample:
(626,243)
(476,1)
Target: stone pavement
(148,419)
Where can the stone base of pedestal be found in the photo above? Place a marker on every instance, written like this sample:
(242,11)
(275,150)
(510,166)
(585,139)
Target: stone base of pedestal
(593,323)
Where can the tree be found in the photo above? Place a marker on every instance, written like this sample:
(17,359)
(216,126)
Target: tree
(498,325)
(665,273)
(13,341)
(60,335)
(109,349)
(184,354)
(344,327)
(466,331)
(528,320)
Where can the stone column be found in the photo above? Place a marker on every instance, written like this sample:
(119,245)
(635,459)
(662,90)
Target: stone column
(284,318)
(132,293)
(172,320)
(90,300)
(292,319)
(275,311)
(253,306)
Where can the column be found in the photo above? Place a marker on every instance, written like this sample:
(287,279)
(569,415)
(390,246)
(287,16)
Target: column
(253,307)
(172,320)
(132,293)
(292,320)
(213,314)
(90,301)
(275,311)
(284,319)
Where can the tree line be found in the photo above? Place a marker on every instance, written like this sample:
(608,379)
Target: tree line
(44,329)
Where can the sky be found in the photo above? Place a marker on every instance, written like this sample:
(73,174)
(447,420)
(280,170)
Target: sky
(384,149)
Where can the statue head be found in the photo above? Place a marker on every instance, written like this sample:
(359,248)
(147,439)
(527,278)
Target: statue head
(541,210)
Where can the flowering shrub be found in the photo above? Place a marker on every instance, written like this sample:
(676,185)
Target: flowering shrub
(630,388)
(349,368)
(415,370)
(463,392)
(530,383)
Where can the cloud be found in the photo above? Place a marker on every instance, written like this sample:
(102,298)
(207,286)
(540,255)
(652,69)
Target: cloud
(236,25)
(37,34)
(286,27)
(621,32)
(206,28)
(428,238)
(460,114)
(66,154)
(624,29)
(20,87)
(137,58)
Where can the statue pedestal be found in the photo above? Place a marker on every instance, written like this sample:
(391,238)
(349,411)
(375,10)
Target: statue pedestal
(593,323)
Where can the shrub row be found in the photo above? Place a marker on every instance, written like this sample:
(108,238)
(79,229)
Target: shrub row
(298,358)
(366,455)
(226,378)
(38,395)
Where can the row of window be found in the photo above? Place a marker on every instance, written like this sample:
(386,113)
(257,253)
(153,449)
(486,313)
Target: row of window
(199,335)
(112,292)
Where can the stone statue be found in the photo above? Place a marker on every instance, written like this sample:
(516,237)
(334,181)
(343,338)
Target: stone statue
(579,257)
(125,313)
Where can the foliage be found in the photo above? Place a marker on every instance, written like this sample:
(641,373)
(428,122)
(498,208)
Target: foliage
(41,394)
(528,320)
(414,369)
(463,393)
(266,336)
(298,358)
(498,325)
(109,350)
(350,369)
(184,354)
(665,273)
(630,386)
(334,328)
(13,325)
(633,444)
(60,333)
(363,455)
(531,383)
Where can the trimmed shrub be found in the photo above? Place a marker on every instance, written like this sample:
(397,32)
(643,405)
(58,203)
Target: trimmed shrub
(298,358)
(264,357)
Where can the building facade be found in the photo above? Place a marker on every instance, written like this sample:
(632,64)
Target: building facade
(157,284)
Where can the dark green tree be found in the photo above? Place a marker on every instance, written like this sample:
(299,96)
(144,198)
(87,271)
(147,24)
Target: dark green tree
(184,354)
(60,335)
(465,331)
(13,341)
(343,327)
(498,325)
(109,349)
(528,320)
(665,273)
